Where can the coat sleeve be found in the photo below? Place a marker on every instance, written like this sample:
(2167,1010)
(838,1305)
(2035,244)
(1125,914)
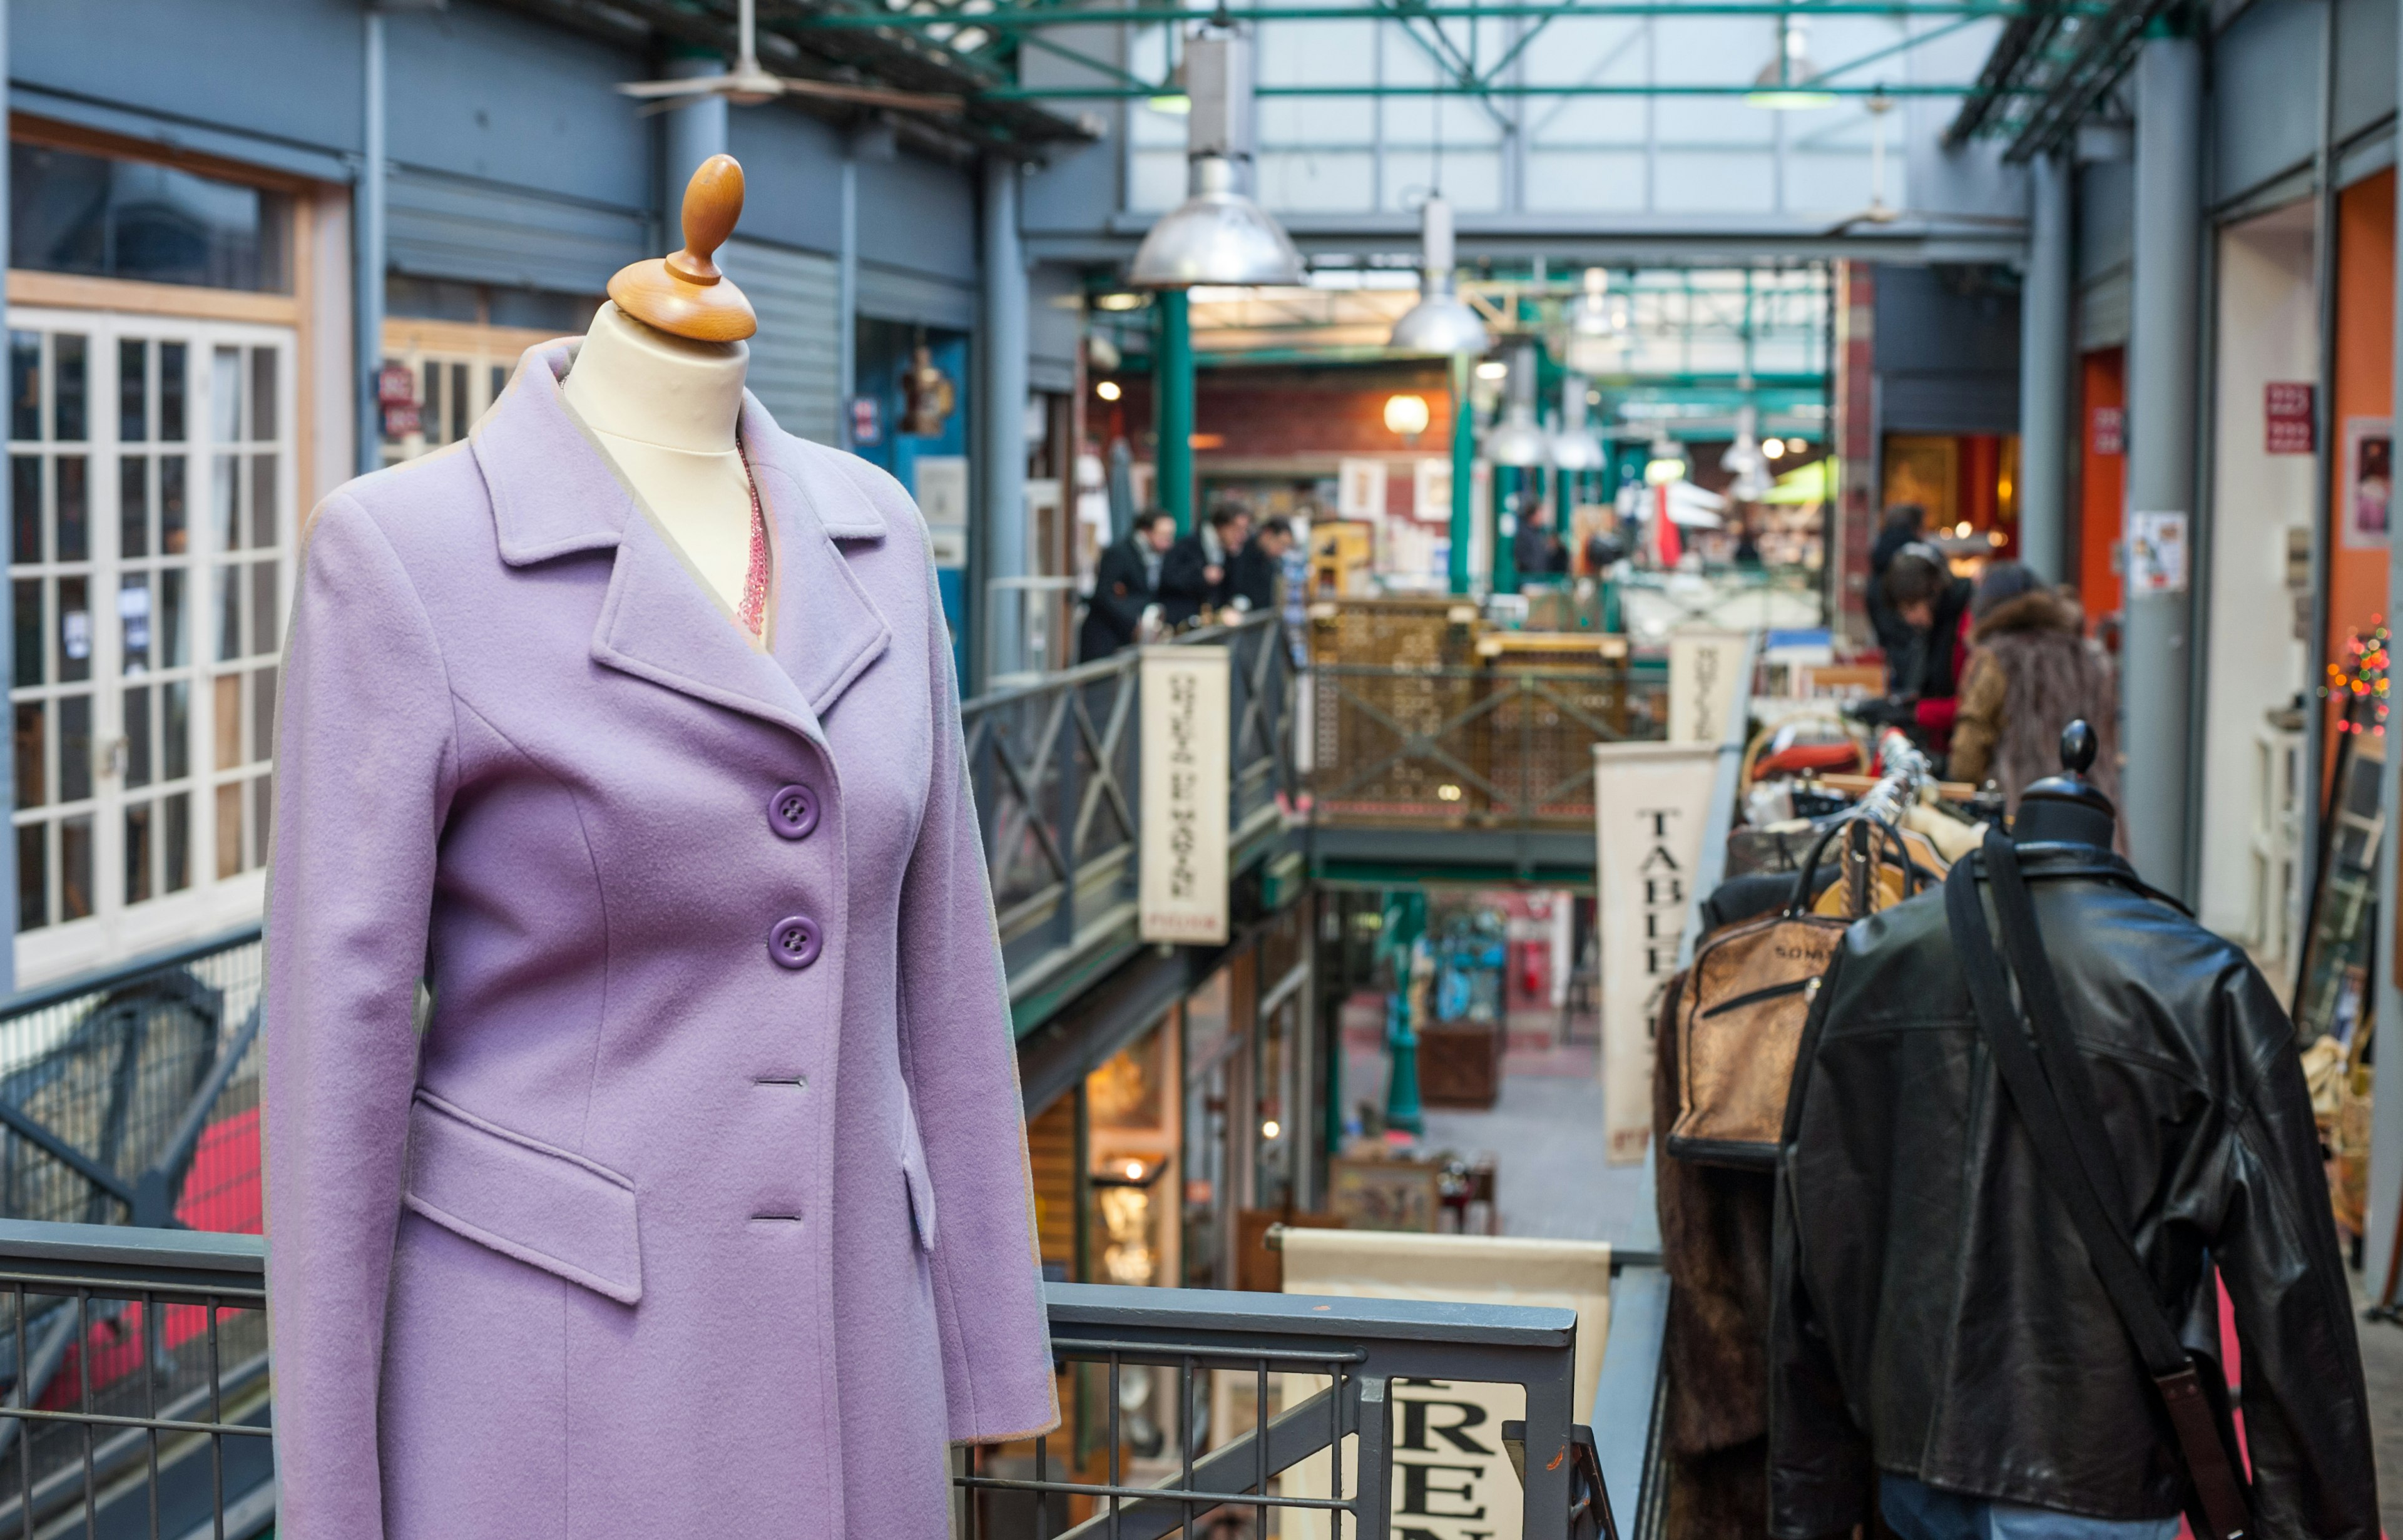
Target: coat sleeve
(1979,725)
(364,766)
(1821,1478)
(959,1057)
(2306,1412)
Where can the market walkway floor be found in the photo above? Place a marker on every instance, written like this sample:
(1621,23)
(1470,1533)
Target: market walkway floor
(1545,1133)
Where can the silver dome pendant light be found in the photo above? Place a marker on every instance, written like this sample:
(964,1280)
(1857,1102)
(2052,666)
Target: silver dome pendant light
(1441,323)
(1219,235)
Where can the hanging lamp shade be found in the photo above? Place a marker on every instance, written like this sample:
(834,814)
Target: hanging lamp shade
(1787,83)
(1596,341)
(1516,441)
(1573,446)
(1744,459)
(1441,323)
(1219,235)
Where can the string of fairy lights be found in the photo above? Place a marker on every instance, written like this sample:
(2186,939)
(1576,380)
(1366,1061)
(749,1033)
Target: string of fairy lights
(2359,680)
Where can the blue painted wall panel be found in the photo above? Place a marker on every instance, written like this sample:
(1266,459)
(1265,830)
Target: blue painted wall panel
(792,176)
(202,61)
(917,215)
(482,93)
(2265,102)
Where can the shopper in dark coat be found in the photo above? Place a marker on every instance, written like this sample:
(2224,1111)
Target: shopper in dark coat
(2033,673)
(1193,577)
(1903,523)
(1253,573)
(1935,605)
(1124,581)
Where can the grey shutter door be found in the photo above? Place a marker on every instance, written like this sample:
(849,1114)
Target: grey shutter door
(446,226)
(794,359)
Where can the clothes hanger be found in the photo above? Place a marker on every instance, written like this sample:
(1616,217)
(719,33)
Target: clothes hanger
(684,294)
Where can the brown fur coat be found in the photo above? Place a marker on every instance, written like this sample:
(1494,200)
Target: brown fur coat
(1714,1225)
(2033,672)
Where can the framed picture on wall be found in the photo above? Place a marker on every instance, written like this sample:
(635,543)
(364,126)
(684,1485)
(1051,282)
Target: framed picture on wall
(2369,481)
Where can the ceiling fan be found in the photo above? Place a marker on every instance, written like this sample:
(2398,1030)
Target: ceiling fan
(1881,213)
(747,85)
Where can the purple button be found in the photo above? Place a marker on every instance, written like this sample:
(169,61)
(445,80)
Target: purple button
(794,943)
(793,811)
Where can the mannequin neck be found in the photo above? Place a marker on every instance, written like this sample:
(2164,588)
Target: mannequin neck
(636,382)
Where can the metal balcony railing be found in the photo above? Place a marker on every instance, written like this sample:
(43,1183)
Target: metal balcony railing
(1056,766)
(161,1428)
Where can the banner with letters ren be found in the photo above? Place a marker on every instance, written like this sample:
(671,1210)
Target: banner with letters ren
(1182,896)
(1453,1477)
(1650,802)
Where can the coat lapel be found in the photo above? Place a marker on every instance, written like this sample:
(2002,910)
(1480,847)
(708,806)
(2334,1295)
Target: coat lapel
(827,630)
(554,492)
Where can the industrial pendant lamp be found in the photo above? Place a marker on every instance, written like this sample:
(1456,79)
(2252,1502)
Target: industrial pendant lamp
(1218,235)
(1441,322)
(1744,458)
(1596,337)
(1516,441)
(1785,84)
(1573,446)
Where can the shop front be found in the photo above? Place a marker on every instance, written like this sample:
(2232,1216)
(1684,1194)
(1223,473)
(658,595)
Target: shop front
(167,321)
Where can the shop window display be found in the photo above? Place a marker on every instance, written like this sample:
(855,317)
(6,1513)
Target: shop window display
(101,217)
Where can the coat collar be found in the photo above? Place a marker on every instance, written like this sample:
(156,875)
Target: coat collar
(554,493)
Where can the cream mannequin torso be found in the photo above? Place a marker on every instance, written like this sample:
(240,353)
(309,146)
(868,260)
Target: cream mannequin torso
(664,409)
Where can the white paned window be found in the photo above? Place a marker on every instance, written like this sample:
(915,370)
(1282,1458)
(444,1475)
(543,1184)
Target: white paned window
(152,484)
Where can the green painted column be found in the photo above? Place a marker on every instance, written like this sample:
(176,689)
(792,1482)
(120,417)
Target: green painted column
(1172,405)
(1463,471)
(1509,482)
(1406,919)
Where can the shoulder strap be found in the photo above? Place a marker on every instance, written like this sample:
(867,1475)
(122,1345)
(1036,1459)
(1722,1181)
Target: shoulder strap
(2068,1150)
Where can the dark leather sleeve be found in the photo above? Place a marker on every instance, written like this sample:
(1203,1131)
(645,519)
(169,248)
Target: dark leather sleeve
(1821,1478)
(1120,569)
(1181,573)
(2306,1413)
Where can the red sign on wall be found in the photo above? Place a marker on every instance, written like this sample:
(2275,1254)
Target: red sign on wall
(2110,430)
(2286,404)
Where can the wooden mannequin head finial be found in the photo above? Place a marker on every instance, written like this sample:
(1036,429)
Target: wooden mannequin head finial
(684,294)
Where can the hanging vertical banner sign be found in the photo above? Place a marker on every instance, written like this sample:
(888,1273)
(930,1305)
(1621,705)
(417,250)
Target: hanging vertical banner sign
(1183,892)
(1703,684)
(1650,802)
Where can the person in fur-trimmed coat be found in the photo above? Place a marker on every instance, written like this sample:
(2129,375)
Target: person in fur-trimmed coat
(2033,672)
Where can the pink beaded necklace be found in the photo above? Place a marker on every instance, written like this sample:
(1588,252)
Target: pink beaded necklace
(752,612)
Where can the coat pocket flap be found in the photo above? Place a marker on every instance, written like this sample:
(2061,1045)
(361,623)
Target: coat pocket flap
(921,1184)
(533,1201)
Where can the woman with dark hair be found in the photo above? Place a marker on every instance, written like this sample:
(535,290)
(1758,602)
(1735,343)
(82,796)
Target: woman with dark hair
(2033,672)
(1933,606)
(1901,526)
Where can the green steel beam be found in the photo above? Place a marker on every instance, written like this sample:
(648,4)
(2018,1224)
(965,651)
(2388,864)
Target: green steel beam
(1112,93)
(1009,19)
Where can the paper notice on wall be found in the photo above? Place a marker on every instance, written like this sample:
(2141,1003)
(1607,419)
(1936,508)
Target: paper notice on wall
(1182,896)
(2156,557)
(1360,489)
(1431,491)
(1704,666)
(1452,1479)
(940,484)
(2368,482)
(1650,803)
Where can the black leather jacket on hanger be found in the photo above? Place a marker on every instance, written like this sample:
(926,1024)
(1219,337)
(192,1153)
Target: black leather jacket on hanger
(1933,1312)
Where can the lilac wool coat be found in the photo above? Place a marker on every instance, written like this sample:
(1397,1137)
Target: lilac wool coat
(702,1206)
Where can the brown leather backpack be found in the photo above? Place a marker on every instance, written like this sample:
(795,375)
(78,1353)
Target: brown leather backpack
(1748,994)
